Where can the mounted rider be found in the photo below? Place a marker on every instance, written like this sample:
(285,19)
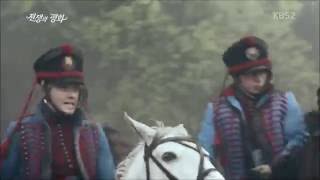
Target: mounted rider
(252,128)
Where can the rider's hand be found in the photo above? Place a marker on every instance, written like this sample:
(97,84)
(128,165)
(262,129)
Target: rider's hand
(263,170)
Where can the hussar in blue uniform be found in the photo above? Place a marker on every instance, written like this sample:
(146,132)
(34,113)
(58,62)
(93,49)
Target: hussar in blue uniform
(252,128)
(58,141)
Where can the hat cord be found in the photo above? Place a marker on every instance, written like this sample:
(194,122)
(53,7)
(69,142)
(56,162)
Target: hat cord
(4,146)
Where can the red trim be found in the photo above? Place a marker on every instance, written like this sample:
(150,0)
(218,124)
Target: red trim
(229,91)
(249,64)
(4,148)
(217,140)
(41,75)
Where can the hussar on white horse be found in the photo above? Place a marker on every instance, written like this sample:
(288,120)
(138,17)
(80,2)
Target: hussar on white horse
(165,153)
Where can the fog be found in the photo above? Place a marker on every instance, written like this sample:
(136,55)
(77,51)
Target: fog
(23,41)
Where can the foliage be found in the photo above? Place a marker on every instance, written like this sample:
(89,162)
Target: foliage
(162,60)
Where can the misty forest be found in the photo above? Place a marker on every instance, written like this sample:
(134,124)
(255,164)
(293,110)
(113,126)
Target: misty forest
(157,60)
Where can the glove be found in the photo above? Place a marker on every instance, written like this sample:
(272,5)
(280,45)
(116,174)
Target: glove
(264,171)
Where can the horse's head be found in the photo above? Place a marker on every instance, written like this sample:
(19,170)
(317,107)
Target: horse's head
(166,153)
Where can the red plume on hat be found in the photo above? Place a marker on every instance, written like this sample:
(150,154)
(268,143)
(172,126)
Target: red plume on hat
(249,40)
(67,49)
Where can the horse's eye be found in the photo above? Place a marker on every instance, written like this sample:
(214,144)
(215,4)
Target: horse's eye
(168,156)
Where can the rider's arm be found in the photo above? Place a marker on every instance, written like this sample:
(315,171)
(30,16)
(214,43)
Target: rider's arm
(206,134)
(9,165)
(105,162)
(295,129)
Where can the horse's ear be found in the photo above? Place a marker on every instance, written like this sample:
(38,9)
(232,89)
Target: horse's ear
(145,132)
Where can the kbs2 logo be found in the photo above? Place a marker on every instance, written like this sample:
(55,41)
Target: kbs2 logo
(284,15)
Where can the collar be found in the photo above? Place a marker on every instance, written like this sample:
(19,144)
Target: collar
(231,91)
(49,115)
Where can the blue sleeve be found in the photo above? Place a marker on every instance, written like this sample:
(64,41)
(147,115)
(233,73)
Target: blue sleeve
(295,128)
(10,128)
(10,163)
(206,134)
(105,164)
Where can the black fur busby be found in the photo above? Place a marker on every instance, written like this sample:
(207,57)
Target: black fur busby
(245,54)
(63,63)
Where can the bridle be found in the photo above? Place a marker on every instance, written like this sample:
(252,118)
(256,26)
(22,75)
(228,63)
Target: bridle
(202,173)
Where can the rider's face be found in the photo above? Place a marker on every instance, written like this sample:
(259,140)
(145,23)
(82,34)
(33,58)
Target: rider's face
(65,98)
(254,82)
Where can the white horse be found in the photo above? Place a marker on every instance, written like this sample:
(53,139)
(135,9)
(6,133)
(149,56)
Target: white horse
(165,153)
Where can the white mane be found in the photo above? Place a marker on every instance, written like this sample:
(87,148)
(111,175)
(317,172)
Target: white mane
(123,165)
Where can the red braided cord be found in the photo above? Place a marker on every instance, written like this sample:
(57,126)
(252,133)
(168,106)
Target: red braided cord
(4,146)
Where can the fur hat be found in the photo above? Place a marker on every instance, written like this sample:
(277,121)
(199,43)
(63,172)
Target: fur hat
(247,53)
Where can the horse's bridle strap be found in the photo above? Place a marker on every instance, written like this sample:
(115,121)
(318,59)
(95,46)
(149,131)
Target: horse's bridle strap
(148,154)
(168,174)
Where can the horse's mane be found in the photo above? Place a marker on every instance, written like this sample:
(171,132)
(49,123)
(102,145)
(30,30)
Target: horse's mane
(123,165)
(161,132)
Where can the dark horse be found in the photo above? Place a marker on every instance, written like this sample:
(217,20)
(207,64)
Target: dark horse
(120,147)
(310,166)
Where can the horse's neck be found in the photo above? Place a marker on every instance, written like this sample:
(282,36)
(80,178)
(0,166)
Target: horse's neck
(136,169)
